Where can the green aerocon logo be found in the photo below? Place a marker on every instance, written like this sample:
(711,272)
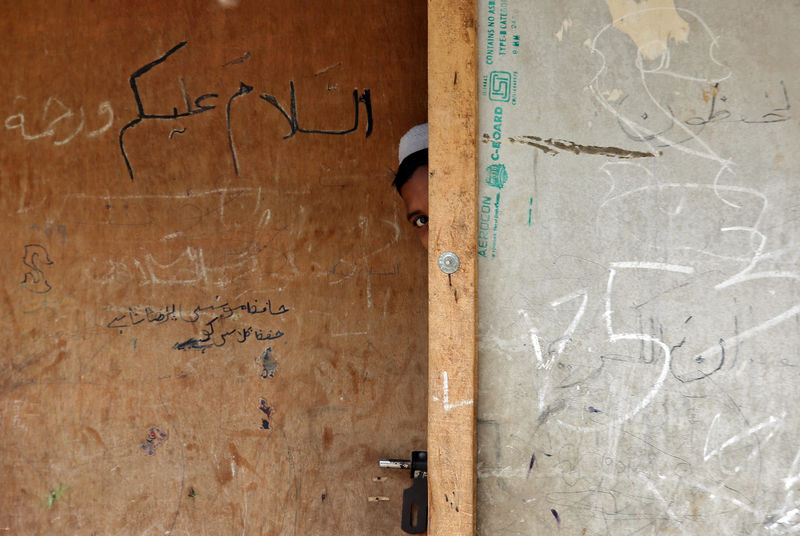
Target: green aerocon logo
(496,175)
(500,86)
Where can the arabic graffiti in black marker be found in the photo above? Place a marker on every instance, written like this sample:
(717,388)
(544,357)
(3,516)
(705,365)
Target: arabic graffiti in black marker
(213,338)
(213,334)
(136,315)
(198,107)
(776,115)
(716,114)
(294,122)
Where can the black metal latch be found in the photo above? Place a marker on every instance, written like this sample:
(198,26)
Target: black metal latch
(415,498)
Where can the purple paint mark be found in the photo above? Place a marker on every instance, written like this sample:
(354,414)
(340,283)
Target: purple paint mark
(155,437)
(555,515)
(269,411)
(262,405)
(530,465)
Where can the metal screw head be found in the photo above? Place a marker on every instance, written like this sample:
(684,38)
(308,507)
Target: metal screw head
(448,262)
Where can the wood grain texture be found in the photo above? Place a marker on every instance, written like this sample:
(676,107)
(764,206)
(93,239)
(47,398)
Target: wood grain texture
(134,370)
(452,364)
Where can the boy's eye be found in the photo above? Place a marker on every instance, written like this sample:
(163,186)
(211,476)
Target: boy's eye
(420,221)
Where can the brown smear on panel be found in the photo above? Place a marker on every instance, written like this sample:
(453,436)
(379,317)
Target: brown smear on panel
(209,296)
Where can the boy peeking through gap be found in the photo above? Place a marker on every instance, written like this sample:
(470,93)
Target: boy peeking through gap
(411,179)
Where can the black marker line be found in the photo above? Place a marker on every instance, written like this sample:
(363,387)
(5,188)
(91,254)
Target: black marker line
(244,89)
(332,132)
(530,465)
(145,69)
(273,101)
(366,98)
(122,144)
(139,106)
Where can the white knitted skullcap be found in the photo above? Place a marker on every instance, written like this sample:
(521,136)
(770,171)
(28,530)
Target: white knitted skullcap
(412,141)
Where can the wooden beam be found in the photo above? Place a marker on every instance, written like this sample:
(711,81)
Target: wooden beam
(452,347)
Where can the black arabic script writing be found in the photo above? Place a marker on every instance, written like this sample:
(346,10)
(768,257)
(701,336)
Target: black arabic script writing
(206,103)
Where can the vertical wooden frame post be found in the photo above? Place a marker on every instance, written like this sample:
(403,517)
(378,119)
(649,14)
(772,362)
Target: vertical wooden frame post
(452,347)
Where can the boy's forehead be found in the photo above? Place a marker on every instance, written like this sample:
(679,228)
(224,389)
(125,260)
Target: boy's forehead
(415,189)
